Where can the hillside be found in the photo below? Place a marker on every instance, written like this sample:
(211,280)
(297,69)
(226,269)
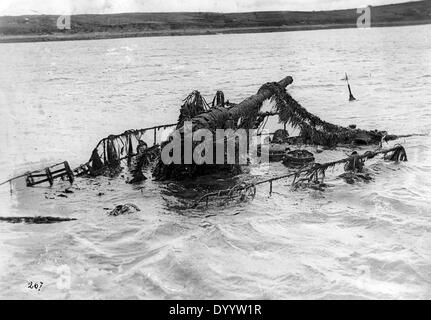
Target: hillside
(44,27)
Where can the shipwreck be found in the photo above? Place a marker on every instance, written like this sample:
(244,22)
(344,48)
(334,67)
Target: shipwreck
(129,151)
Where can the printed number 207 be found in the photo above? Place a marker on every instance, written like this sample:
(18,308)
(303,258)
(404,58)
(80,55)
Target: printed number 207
(35,285)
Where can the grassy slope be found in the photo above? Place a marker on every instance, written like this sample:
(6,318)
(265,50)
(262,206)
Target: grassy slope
(141,24)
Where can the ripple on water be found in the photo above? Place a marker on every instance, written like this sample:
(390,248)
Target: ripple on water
(367,240)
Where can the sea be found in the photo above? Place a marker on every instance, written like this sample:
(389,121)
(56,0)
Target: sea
(367,240)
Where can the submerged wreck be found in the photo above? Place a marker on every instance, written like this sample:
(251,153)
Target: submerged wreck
(129,148)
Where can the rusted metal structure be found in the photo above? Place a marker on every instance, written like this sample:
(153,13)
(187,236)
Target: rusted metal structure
(110,152)
(313,175)
(61,170)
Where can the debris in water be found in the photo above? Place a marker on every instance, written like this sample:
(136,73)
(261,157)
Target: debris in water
(351,177)
(121,209)
(351,97)
(312,175)
(61,170)
(108,155)
(298,158)
(35,220)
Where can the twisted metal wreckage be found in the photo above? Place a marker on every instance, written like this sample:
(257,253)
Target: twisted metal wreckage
(109,153)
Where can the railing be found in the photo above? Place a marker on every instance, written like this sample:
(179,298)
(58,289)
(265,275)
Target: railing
(114,148)
(315,173)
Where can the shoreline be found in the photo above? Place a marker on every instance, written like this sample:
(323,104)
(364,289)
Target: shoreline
(192,32)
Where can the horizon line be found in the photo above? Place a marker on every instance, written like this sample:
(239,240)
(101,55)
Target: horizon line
(212,12)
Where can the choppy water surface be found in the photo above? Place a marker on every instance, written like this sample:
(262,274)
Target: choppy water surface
(367,240)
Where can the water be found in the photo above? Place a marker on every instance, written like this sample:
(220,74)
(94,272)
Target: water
(367,240)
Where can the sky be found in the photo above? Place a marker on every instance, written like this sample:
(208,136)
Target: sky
(21,7)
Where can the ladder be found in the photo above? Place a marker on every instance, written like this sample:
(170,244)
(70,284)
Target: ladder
(61,170)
